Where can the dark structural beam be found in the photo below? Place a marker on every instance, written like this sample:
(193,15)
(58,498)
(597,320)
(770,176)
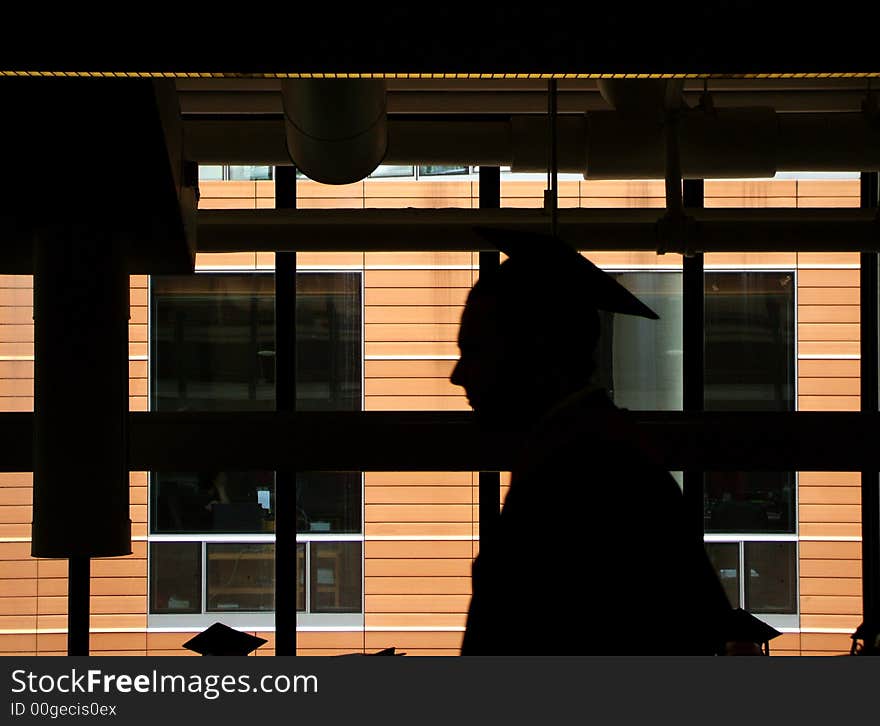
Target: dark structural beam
(714,230)
(451,441)
(870,194)
(285,401)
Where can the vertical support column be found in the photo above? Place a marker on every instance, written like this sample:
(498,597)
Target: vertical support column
(693,359)
(286,581)
(81,491)
(870,198)
(489,481)
(78,596)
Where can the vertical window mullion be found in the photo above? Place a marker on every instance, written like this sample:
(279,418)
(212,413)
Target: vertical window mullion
(693,358)
(285,400)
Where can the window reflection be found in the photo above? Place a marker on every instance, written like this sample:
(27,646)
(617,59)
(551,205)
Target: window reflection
(175,577)
(639,361)
(749,501)
(335,577)
(240,577)
(750,334)
(724,557)
(771,585)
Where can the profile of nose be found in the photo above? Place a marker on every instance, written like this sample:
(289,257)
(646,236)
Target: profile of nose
(455,377)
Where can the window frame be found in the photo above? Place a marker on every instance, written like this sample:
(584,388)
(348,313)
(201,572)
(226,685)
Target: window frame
(252,620)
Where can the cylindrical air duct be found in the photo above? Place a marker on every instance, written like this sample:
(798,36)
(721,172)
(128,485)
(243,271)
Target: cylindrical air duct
(336,128)
(81,311)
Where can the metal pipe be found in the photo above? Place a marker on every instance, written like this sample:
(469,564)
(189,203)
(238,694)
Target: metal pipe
(336,128)
(714,230)
(732,142)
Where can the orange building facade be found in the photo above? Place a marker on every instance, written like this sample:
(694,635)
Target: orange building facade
(419,531)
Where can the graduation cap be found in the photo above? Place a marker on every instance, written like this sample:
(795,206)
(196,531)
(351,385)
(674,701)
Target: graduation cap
(220,639)
(869,635)
(741,625)
(544,254)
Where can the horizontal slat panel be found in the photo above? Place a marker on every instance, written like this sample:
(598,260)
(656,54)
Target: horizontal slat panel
(828,403)
(418,478)
(418,495)
(830,605)
(829,495)
(417,586)
(828,278)
(829,368)
(417,403)
(828,295)
(830,529)
(419,529)
(413,314)
(828,313)
(411,332)
(828,331)
(416,603)
(418,567)
(418,278)
(830,551)
(829,478)
(417,549)
(829,386)
(425,369)
(425,295)
(407,387)
(829,513)
(431,513)
(840,586)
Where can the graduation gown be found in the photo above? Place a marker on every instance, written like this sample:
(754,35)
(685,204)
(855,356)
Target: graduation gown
(591,554)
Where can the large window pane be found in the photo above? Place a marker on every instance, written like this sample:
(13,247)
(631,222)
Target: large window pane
(328,341)
(749,501)
(393,170)
(211,501)
(724,557)
(250,173)
(213,342)
(437,170)
(749,341)
(639,360)
(175,577)
(328,501)
(335,577)
(240,577)
(771,585)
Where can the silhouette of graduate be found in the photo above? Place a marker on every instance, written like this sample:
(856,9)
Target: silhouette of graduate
(591,554)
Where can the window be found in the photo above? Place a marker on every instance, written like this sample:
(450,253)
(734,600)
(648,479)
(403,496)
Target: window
(750,517)
(212,532)
(228,172)
(760,577)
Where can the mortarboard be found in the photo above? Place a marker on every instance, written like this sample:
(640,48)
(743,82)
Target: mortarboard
(869,634)
(741,625)
(547,254)
(220,639)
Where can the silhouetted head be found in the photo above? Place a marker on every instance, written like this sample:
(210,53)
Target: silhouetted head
(530,328)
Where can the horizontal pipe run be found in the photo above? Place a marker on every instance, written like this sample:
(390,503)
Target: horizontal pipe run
(714,230)
(450,441)
(733,142)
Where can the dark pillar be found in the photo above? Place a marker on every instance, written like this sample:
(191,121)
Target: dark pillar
(869,365)
(81,493)
(489,481)
(285,400)
(693,359)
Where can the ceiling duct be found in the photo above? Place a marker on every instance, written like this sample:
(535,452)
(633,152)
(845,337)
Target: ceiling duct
(336,129)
